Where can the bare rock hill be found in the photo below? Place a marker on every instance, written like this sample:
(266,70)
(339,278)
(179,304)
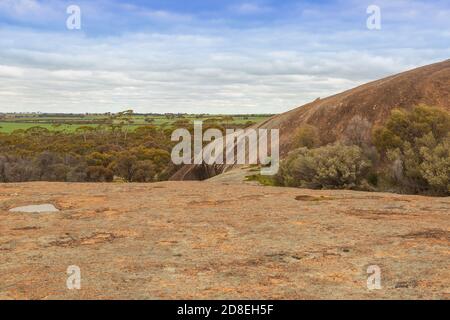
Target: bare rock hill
(373,101)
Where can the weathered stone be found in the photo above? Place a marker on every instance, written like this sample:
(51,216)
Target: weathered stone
(212,240)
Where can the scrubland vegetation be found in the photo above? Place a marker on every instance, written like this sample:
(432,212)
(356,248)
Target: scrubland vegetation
(410,153)
(94,155)
(115,149)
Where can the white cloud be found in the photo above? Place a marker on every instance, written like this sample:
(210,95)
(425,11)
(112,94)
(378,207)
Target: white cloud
(250,8)
(20,7)
(10,72)
(203,69)
(31,10)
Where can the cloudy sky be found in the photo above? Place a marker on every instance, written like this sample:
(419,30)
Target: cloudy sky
(207,56)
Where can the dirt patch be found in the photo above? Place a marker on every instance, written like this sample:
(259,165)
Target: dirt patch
(96,238)
(208,203)
(26,228)
(437,234)
(312,198)
(376,214)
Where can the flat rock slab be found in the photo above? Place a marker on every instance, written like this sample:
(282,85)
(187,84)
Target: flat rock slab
(40,208)
(211,240)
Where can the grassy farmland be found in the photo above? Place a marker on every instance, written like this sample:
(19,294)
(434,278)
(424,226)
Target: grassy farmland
(71,122)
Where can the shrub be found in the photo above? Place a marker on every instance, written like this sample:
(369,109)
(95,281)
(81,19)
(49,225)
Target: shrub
(435,167)
(124,166)
(19,170)
(331,166)
(403,126)
(358,132)
(416,145)
(307,136)
(99,174)
(77,174)
(144,171)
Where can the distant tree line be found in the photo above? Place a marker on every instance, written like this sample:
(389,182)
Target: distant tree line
(110,151)
(93,154)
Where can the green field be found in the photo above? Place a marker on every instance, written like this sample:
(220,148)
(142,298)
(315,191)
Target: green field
(69,123)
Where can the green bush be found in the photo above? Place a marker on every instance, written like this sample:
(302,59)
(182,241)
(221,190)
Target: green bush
(306,136)
(435,167)
(416,149)
(333,166)
(408,126)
